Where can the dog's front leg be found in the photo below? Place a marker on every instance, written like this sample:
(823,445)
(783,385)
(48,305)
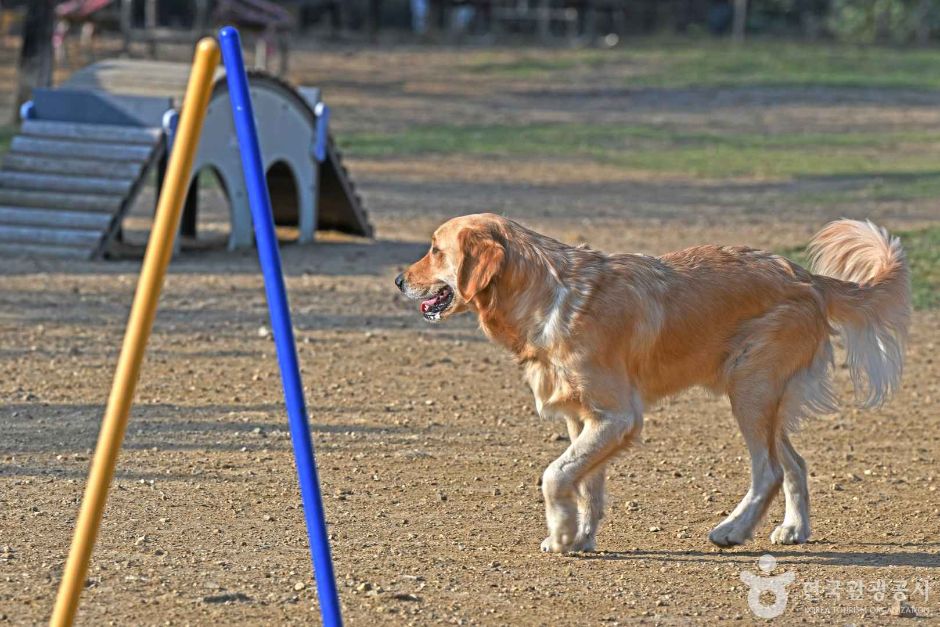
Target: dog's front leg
(602,435)
(590,495)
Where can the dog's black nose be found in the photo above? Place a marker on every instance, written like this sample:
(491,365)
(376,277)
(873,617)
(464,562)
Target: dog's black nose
(400,281)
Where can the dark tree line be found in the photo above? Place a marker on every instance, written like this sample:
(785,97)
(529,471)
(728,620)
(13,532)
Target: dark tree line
(895,21)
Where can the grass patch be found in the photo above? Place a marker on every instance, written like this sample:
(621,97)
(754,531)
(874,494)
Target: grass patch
(707,154)
(721,64)
(880,187)
(906,188)
(667,63)
(887,157)
(537,65)
(923,255)
(923,252)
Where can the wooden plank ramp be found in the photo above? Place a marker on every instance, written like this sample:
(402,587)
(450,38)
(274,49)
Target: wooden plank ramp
(65,186)
(43,250)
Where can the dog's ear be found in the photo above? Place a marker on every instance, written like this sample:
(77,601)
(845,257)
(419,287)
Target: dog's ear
(481,259)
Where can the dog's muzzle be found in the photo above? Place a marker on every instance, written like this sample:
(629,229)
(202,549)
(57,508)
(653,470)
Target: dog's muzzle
(431,308)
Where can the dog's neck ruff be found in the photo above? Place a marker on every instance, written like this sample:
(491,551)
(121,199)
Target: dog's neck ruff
(535,306)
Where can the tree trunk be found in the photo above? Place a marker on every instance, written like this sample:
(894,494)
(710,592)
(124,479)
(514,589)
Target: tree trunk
(35,63)
(923,22)
(740,20)
(374,19)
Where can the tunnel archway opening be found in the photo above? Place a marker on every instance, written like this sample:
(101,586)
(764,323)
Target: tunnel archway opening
(206,217)
(285,200)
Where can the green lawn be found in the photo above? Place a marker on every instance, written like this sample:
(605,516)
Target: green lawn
(664,149)
(907,160)
(538,64)
(923,255)
(789,65)
(923,250)
(690,63)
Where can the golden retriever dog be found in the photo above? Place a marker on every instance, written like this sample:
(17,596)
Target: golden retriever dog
(601,337)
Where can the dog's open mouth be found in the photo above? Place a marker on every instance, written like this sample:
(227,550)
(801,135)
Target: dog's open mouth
(433,307)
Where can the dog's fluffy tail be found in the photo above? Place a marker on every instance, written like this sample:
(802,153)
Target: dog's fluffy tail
(864,277)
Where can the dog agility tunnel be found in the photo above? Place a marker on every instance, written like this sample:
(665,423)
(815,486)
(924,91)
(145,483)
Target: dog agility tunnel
(86,147)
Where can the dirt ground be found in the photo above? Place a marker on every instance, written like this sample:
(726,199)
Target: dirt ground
(428,445)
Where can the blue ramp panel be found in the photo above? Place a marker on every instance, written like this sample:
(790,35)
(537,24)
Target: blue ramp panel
(270,258)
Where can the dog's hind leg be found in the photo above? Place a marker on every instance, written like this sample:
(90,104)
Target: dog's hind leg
(755,391)
(795,526)
(766,476)
(773,377)
(755,418)
(808,392)
(576,479)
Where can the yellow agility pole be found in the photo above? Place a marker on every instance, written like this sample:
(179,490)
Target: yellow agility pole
(139,325)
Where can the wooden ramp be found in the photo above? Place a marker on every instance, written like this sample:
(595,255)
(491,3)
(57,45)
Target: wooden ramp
(85,149)
(338,205)
(74,170)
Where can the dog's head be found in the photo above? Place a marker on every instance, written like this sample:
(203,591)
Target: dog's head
(464,261)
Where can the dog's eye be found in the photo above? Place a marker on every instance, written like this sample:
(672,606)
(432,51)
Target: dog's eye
(435,250)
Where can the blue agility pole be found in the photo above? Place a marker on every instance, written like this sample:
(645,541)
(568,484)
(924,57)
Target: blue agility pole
(270,258)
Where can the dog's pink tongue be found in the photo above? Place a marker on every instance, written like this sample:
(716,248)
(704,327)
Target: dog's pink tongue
(425,305)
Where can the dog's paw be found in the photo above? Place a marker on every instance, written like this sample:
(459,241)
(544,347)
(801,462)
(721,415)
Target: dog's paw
(579,545)
(729,534)
(788,534)
(585,545)
(550,546)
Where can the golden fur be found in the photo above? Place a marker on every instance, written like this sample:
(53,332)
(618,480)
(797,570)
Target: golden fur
(602,336)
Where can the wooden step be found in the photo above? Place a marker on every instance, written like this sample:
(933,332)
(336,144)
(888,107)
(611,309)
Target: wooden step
(92,150)
(28,216)
(19,162)
(91,132)
(64,183)
(60,200)
(64,237)
(48,250)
